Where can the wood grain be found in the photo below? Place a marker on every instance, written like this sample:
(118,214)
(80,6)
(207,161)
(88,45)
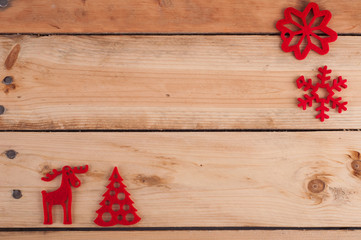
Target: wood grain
(168,82)
(165,16)
(185,235)
(187,179)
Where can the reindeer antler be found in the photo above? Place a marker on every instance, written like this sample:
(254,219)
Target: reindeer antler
(50,176)
(80,169)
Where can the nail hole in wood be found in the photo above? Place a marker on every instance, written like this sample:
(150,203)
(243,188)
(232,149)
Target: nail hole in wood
(316,186)
(17,194)
(11,154)
(2,109)
(4,3)
(8,80)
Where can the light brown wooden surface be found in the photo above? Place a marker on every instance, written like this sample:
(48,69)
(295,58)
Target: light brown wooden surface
(192,81)
(190,179)
(165,16)
(168,82)
(186,235)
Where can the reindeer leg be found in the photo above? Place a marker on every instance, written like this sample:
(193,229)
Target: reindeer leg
(67,212)
(46,211)
(46,214)
(50,213)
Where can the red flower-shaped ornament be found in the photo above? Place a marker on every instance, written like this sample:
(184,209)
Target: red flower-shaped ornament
(303,31)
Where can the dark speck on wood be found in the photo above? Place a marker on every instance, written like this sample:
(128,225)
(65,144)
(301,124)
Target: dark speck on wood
(165,3)
(55,26)
(44,169)
(8,88)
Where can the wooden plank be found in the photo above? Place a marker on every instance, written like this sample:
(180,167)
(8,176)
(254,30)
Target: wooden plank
(167,82)
(164,16)
(188,179)
(186,235)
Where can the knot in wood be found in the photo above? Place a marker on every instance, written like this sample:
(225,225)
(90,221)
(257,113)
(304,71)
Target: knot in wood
(356,165)
(316,186)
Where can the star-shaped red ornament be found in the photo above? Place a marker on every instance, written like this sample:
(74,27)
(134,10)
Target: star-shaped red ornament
(305,31)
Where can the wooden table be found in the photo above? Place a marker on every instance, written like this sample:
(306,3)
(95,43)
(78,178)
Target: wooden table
(194,102)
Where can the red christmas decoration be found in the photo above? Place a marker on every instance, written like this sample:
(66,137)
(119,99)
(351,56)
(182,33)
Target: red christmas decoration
(337,84)
(63,195)
(307,29)
(117,207)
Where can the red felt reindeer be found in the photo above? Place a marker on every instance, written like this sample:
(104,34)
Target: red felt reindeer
(63,195)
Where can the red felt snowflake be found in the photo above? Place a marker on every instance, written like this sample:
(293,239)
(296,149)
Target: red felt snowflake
(337,84)
(306,30)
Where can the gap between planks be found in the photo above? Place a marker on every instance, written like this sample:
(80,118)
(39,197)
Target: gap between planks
(186,235)
(180,130)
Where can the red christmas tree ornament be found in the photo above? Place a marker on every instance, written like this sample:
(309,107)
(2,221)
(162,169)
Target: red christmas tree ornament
(305,31)
(116,207)
(337,84)
(63,195)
